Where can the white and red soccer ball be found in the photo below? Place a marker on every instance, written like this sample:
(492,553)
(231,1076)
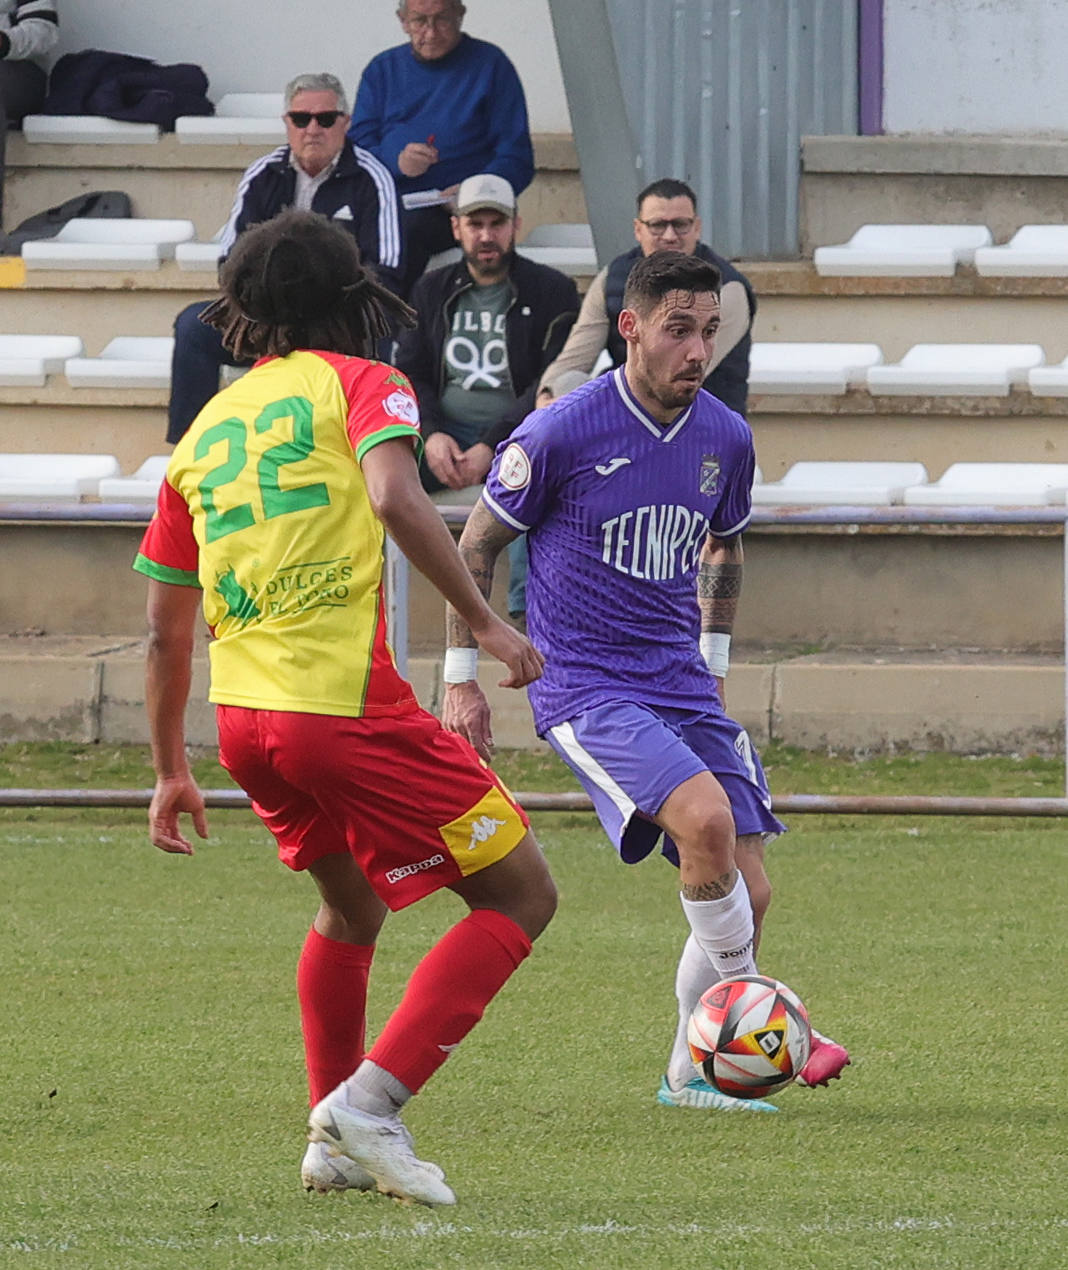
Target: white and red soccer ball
(749,1036)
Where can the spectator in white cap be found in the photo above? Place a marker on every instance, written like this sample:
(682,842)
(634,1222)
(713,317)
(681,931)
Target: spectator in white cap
(488,326)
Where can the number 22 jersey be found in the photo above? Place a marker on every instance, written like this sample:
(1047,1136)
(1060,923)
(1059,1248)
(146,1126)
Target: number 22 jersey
(264,507)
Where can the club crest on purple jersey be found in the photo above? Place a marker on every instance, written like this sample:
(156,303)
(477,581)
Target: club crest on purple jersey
(708,482)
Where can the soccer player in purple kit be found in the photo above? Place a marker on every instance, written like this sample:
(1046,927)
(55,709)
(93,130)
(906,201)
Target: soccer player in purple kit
(634,490)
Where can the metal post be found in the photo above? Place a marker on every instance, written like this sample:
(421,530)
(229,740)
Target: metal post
(397,603)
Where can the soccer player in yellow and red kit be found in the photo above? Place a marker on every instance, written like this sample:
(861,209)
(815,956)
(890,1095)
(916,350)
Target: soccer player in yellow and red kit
(273,518)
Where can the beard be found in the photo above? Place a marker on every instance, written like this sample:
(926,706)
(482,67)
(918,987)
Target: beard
(495,267)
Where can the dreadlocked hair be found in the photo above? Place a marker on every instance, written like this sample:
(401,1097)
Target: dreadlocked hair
(296,282)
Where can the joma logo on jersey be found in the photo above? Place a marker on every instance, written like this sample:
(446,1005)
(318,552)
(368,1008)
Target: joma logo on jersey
(483,829)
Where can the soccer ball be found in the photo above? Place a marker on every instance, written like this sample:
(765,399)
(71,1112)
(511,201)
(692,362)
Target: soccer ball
(749,1036)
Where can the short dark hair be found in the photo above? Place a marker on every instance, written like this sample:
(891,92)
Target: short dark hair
(667,187)
(296,281)
(652,277)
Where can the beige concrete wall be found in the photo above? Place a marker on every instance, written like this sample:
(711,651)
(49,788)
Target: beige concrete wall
(90,690)
(934,431)
(804,588)
(1000,181)
(198,182)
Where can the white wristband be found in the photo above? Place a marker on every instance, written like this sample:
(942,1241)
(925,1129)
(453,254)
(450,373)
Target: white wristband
(716,650)
(461,665)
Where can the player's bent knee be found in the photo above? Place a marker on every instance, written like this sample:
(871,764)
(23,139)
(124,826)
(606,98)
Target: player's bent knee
(520,886)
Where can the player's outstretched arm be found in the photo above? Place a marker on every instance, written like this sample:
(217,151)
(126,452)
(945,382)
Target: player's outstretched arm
(172,619)
(719,584)
(466,710)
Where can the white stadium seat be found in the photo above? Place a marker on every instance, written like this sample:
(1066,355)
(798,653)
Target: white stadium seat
(66,477)
(128,361)
(450,256)
(950,370)
(142,487)
(810,368)
(109,243)
(1034,251)
(239,119)
(993,484)
(565,246)
(87,130)
(845,483)
(199,257)
(1049,381)
(895,251)
(27,360)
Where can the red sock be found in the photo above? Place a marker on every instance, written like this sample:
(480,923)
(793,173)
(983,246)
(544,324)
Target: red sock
(447,995)
(332,990)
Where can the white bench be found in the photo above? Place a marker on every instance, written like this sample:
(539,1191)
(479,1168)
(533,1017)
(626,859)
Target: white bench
(66,477)
(1034,251)
(239,119)
(198,257)
(810,368)
(128,361)
(869,483)
(142,487)
(1049,381)
(27,360)
(109,243)
(927,251)
(567,246)
(949,370)
(87,130)
(993,484)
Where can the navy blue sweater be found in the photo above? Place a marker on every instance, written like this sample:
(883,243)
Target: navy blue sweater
(470,101)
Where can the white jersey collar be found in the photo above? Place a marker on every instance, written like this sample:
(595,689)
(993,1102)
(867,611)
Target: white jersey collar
(642,415)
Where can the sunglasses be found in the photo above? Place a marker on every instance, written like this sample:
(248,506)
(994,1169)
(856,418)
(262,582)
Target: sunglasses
(324,118)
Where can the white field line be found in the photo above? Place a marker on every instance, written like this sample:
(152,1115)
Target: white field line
(430,1229)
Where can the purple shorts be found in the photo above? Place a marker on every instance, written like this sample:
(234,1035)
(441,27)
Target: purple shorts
(630,757)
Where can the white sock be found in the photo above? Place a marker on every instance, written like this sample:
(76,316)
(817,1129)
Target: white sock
(724,929)
(694,976)
(372,1089)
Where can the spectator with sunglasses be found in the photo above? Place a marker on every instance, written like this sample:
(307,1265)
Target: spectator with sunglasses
(667,220)
(436,110)
(317,170)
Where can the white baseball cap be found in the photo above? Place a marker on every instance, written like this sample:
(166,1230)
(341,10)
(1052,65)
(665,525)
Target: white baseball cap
(485,191)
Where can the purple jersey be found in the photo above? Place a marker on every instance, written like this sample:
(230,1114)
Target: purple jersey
(617,508)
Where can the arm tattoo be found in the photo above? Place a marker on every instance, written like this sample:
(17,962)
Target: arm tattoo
(719,584)
(483,539)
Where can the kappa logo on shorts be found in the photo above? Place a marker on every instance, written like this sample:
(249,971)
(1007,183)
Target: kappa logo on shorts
(407,870)
(483,829)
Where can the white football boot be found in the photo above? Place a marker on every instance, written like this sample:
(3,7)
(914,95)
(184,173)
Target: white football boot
(380,1144)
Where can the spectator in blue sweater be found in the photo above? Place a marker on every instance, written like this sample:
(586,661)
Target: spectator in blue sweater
(435,111)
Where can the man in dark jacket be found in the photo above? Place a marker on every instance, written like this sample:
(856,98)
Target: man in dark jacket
(667,220)
(318,170)
(488,327)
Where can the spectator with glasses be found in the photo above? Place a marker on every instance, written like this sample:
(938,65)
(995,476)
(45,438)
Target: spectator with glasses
(437,110)
(667,220)
(317,170)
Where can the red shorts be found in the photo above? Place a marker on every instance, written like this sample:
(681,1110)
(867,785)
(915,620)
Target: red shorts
(414,804)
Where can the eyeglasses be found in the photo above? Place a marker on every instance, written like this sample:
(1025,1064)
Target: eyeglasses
(440,21)
(658,228)
(324,118)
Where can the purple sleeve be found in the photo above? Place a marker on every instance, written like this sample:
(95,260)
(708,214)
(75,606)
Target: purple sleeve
(522,483)
(735,507)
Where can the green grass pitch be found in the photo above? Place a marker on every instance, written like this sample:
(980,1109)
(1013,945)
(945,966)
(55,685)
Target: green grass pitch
(152,1092)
